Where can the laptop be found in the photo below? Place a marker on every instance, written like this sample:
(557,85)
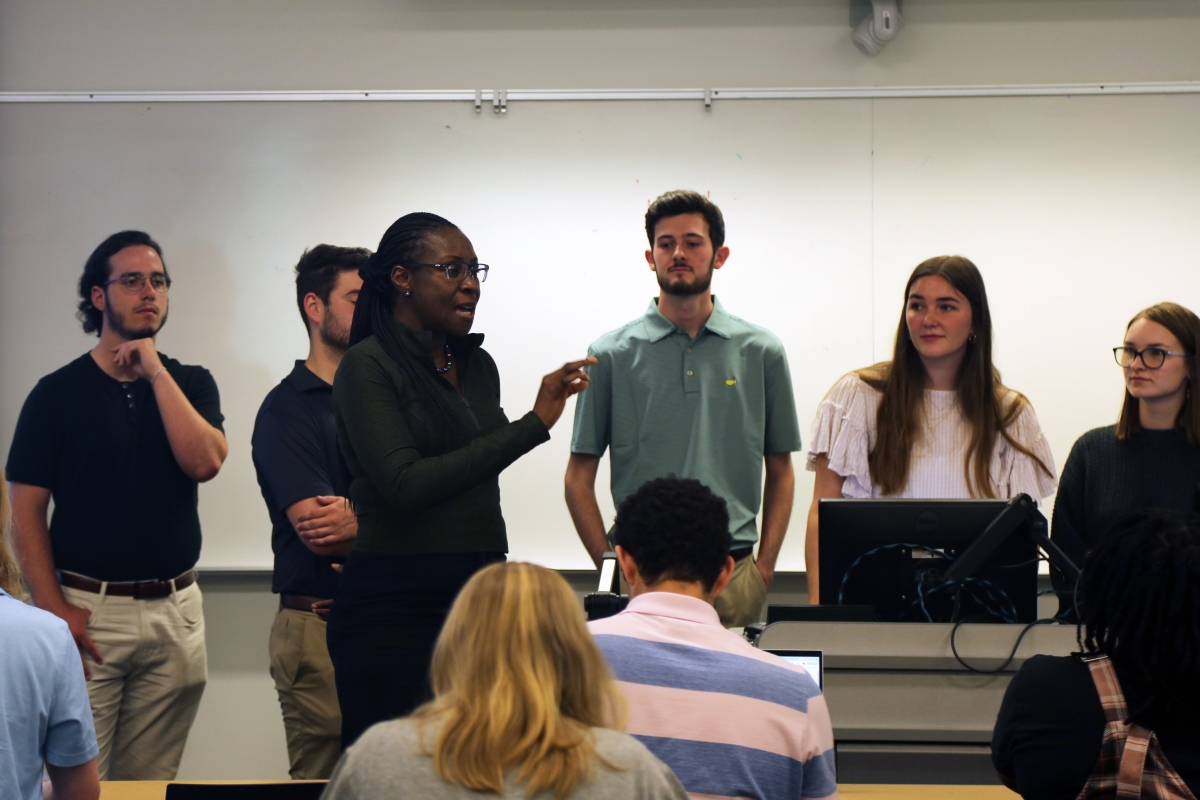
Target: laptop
(813,662)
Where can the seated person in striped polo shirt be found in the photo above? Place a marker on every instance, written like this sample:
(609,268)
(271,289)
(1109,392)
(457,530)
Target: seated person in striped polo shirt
(729,719)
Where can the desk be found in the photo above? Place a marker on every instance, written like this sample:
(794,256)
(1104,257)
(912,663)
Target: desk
(157,790)
(903,707)
(900,682)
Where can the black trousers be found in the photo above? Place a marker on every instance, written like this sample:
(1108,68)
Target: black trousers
(386,616)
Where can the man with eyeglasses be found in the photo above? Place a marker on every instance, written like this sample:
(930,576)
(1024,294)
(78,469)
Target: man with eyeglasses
(691,391)
(119,439)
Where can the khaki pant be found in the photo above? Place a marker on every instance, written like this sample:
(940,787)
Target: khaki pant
(744,598)
(303,677)
(146,693)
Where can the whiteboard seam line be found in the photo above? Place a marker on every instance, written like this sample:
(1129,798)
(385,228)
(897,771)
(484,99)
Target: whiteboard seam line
(577,95)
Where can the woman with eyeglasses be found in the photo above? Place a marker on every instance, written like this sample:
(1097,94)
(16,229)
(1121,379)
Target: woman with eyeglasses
(1151,457)
(935,421)
(417,403)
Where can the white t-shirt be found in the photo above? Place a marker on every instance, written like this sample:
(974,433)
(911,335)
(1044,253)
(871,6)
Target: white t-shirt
(845,430)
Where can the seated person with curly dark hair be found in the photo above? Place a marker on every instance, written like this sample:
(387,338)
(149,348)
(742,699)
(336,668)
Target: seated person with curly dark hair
(1129,705)
(729,719)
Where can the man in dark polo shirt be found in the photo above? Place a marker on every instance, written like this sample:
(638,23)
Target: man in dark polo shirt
(305,483)
(119,439)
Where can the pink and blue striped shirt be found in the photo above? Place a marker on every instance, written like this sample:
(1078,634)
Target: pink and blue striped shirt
(729,719)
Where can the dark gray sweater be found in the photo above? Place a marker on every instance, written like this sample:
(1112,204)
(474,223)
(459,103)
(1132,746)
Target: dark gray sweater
(1106,477)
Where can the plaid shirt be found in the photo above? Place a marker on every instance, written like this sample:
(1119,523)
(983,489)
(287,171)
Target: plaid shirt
(1132,763)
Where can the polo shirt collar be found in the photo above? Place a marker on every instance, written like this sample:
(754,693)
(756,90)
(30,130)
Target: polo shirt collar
(675,606)
(719,321)
(303,379)
(659,327)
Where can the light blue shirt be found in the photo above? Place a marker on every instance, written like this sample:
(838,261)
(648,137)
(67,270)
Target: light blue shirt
(707,408)
(45,716)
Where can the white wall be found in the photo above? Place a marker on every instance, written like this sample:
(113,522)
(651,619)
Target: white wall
(829,203)
(424,44)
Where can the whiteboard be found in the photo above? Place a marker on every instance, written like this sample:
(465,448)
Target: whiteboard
(1079,212)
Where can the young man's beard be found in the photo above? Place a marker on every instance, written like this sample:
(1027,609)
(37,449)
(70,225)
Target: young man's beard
(334,335)
(681,289)
(116,323)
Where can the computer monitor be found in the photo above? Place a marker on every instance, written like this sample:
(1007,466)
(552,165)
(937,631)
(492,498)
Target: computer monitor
(894,555)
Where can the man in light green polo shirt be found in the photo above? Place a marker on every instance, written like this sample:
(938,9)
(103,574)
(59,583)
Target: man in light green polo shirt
(689,390)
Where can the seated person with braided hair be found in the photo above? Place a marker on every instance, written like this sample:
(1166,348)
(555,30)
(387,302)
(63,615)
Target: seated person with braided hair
(1069,725)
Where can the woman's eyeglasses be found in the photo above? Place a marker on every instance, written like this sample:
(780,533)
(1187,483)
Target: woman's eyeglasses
(1152,357)
(458,270)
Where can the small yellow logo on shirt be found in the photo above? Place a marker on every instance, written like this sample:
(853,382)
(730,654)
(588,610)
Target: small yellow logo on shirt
(731,382)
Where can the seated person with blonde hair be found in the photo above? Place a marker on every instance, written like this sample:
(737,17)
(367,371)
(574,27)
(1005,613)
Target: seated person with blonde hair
(47,720)
(522,707)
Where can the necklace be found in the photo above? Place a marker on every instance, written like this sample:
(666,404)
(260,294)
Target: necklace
(449,361)
(939,405)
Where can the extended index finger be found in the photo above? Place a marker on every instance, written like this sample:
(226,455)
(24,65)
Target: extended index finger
(572,366)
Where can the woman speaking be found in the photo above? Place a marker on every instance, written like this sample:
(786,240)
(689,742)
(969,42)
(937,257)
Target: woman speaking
(417,402)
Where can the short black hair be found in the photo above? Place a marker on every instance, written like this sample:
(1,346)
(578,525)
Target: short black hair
(319,268)
(1139,598)
(675,529)
(97,270)
(682,201)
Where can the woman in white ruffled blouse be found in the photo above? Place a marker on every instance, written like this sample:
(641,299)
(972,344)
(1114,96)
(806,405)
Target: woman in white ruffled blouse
(935,421)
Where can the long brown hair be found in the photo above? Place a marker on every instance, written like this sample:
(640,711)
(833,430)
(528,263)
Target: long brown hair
(10,573)
(1186,327)
(980,393)
(518,683)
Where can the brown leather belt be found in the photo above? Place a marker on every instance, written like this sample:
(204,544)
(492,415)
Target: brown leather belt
(138,590)
(299,602)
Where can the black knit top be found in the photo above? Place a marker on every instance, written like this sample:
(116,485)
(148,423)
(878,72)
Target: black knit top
(1106,477)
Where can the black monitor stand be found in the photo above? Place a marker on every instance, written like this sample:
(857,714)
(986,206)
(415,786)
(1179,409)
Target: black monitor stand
(1018,511)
